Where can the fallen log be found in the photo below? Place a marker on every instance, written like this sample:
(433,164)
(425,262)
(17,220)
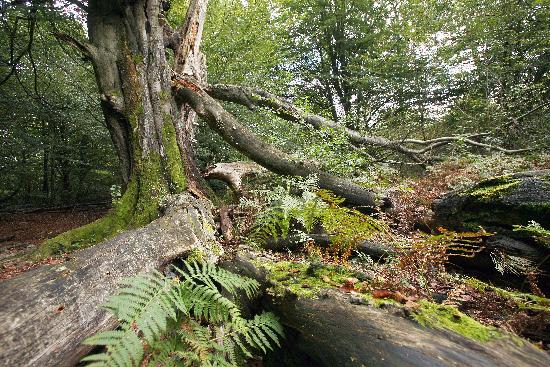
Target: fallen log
(333,330)
(499,205)
(293,242)
(45,313)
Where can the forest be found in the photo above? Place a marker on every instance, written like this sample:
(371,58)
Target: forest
(275,183)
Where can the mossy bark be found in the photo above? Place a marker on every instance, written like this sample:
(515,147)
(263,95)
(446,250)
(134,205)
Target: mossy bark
(133,77)
(329,327)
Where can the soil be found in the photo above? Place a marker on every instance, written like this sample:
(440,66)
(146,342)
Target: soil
(20,233)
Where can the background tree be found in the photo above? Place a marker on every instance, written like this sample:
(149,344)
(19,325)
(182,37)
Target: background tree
(56,149)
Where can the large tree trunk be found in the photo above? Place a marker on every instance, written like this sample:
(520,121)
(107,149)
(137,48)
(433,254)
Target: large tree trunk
(47,312)
(127,49)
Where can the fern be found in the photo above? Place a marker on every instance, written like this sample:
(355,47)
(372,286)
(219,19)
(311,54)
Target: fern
(158,321)
(346,227)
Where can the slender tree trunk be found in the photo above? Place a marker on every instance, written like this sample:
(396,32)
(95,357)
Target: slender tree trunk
(46,171)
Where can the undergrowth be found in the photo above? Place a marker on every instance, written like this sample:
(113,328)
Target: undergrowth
(314,209)
(183,321)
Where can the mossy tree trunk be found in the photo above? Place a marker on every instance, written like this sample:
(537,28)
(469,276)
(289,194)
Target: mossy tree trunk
(127,49)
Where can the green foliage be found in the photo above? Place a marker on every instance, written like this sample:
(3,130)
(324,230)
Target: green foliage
(168,315)
(55,148)
(534,229)
(446,317)
(301,214)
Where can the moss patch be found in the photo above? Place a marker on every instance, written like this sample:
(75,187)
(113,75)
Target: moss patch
(494,188)
(304,279)
(173,163)
(449,318)
(138,206)
(524,301)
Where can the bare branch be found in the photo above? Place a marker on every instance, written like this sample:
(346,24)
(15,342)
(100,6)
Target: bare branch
(14,60)
(88,50)
(253,98)
(233,132)
(233,173)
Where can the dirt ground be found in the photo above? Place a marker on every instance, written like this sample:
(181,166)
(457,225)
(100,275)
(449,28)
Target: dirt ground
(20,233)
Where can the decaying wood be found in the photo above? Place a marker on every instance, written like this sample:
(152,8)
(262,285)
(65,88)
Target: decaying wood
(189,60)
(294,242)
(233,173)
(226,224)
(45,313)
(337,330)
(254,98)
(187,90)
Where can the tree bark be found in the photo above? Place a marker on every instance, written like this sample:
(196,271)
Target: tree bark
(234,133)
(127,49)
(47,312)
(189,60)
(336,329)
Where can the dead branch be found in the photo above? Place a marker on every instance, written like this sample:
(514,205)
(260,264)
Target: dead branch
(233,173)
(253,98)
(87,50)
(233,132)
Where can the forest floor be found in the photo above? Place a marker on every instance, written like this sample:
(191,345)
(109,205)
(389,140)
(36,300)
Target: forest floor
(22,232)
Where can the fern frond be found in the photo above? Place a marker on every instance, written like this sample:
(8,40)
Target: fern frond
(124,348)
(147,301)
(158,311)
(258,332)
(211,275)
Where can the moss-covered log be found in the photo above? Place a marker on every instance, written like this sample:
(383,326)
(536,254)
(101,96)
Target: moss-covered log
(500,205)
(328,327)
(502,202)
(45,313)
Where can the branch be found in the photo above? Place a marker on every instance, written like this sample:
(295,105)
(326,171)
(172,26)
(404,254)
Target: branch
(516,120)
(233,173)
(233,132)
(14,60)
(116,103)
(253,98)
(88,50)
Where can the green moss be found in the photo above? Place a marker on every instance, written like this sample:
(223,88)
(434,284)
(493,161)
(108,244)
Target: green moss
(138,206)
(137,59)
(536,231)
(494,188)
(104,228)
(304,279)
(196,255)
(152,189)
(524,301)
(449,318)
(174,165)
